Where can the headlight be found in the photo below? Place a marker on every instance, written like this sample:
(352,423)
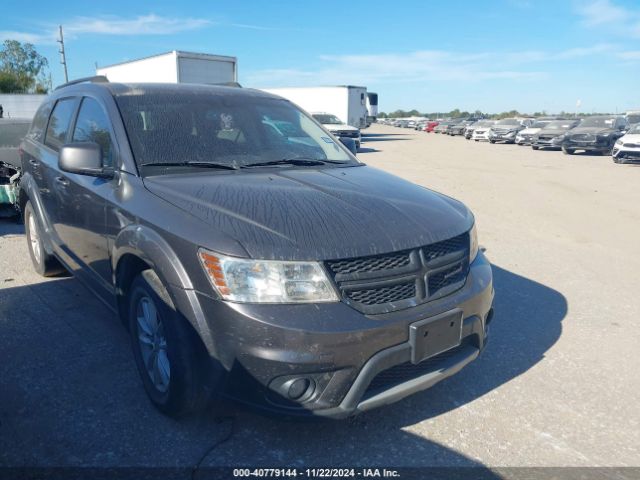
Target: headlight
(558,139)
(267,281)
(473,243)
(619,142)
(511,134)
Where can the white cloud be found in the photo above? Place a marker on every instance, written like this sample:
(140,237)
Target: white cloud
(143,25)
(27,37)
(419,66)
(606,14)
(109,25)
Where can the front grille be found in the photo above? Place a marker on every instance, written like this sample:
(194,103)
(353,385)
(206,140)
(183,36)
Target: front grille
(582,137)
(628,154)
(389,282)
(631,145)
(371,264)
(346,133)
(408,371)
(378,296)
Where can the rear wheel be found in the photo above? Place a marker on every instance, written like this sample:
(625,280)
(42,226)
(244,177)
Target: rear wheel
(177,373)
(568,151)
(44,263)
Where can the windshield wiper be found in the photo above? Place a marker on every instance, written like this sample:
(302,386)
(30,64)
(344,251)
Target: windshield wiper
(305,162)
(221,166)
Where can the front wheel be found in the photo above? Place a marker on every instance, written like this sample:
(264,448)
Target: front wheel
(44,263)
(534,147)
(568,151)
(177,372)
(492,141)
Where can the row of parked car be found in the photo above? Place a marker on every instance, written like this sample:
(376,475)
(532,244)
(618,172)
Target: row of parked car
(615,135)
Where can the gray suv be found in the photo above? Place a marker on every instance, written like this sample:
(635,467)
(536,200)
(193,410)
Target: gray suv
(248,252)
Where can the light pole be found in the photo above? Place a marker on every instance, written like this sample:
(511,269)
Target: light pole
(63,58)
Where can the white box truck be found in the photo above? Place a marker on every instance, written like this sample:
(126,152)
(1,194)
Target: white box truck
(174,67)
(347,102)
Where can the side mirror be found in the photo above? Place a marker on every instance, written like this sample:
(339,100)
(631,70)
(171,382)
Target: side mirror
(83,158)
(350,143)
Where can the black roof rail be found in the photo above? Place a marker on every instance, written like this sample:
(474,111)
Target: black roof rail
(94,79)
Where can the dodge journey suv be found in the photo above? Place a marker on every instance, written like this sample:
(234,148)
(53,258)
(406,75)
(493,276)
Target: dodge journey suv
(249,254)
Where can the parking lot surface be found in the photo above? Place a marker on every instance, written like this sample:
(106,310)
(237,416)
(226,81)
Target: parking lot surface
(557,385)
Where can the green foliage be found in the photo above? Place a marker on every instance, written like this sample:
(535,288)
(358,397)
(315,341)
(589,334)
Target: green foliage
(22,68)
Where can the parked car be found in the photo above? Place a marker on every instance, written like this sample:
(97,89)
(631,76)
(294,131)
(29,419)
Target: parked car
(596,134)
(442,127)
(525,136)
(430,126)
(337,127)
(479,130)
(627,148)
(269,267)
(633,117)
(458,127)
(505,130)
(552,135)
(12,131)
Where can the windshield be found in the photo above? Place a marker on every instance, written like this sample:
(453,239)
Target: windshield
(603,122)
(176,127)
(484,123)
(540,124)
(508,121)
(560,125)
(634,118)
(635,129)
(326,119)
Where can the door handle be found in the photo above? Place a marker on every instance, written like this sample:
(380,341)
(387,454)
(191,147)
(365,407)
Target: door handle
(62,181)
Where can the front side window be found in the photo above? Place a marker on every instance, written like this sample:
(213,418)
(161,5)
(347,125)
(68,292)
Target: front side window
(169,128)
(92,125)
(59,123)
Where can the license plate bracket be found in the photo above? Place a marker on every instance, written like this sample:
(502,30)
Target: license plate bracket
(435,335)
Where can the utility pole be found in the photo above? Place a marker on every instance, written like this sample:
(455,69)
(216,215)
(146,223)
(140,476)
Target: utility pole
(63,58)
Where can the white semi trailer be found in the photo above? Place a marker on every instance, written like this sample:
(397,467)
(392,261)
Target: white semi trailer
(174,67)
(347,102)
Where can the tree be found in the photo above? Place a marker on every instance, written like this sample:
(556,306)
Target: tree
(22,68)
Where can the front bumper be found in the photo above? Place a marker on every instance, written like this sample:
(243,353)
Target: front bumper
(339,351)
(600,146)
(502,137)
(547,143)
(626,154)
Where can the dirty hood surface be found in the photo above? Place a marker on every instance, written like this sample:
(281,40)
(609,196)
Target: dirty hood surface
(314,214)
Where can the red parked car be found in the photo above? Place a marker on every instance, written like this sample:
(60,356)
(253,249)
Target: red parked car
(430,126)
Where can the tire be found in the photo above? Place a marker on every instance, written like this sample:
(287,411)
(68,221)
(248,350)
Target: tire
(568,151)
(617,160)
(181,379)
(534,147)
(44,263)
(492,141)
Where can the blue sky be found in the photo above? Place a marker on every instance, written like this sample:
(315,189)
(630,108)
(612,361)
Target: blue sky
(492,55)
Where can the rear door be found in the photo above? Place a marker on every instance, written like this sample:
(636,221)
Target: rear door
(81,198)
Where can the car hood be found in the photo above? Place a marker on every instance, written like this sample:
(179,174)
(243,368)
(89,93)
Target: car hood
(631,138)
(592,130)
(553,131)
(530,131)
(315,214)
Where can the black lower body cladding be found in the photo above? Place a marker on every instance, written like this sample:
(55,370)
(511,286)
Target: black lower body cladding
(331,360)
(603,148)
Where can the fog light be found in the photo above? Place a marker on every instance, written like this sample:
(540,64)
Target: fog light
(299,388)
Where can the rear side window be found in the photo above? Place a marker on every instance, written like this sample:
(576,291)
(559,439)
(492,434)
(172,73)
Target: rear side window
(92,125)
(59,123)
(36,132)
